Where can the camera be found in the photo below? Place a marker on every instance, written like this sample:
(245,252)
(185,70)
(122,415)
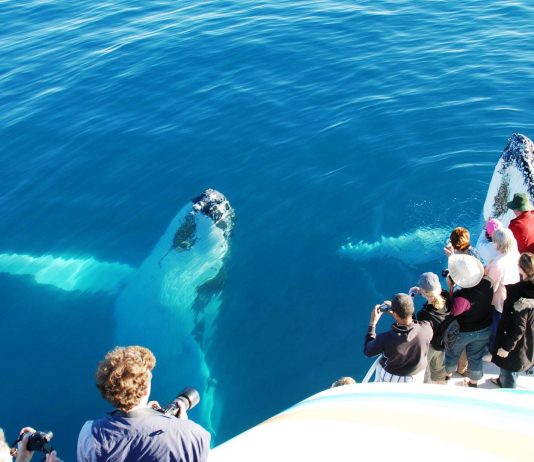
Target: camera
(445,273)
(189,397)
(40,441)
(37,441)
(384,308)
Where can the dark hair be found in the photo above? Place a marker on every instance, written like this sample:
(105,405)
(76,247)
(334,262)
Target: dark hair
(526,263)
(402,305)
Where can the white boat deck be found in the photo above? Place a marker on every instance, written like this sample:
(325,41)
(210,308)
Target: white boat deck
(524,381)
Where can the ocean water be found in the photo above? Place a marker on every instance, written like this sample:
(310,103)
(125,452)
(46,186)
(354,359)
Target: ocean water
(350,137)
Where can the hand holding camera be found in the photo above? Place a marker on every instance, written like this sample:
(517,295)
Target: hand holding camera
(31,440)
(378,310)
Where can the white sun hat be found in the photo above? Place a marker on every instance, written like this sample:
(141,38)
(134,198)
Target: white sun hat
(465,270)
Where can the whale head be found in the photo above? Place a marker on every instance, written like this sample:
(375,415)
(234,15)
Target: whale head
(513,173)
(211,204)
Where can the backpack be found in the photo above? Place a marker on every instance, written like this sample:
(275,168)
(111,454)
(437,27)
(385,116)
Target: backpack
(447,334)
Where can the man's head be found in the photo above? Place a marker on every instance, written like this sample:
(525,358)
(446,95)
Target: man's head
(520,203)
(343,381)
(124,376)
(402,306)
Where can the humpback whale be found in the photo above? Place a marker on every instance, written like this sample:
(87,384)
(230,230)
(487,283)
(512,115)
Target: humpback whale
(169,304)
(513,173)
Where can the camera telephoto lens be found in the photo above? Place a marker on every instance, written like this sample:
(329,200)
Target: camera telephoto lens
(189,397)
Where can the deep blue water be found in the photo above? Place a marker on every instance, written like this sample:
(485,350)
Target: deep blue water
(324,122)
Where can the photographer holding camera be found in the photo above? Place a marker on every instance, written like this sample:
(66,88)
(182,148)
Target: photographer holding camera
(404,347)
(28,442)
(135,430)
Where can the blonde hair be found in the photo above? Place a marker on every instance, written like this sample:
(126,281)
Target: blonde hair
(526,263)
(123,376)
(460,238)
(504,241)
(434,298)
(343,381)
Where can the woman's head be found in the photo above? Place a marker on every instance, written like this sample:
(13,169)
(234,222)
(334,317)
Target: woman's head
(430,288)
(124,376)
(460,238)
(504,241)
(526,266)
(492,225)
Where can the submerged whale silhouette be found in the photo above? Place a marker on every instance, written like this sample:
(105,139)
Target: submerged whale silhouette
(513,173)
(412,248)
(169,304)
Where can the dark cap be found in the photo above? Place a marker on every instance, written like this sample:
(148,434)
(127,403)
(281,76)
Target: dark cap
(402,305)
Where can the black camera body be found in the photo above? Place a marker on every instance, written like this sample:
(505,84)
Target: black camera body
(40,441)
(384,308)
(188,397)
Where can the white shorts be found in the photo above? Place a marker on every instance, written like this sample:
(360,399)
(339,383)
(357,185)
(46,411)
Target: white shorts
(381,375)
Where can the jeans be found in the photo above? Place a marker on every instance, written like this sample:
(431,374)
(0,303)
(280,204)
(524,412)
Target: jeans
(475,344)
(508,378)
(496,317)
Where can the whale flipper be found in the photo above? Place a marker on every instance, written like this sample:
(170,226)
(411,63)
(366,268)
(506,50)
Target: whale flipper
(412,248)
(68,273)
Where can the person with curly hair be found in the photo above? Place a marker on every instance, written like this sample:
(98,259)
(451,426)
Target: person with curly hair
(135,431)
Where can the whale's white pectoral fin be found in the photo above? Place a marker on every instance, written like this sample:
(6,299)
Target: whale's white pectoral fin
(70,274)
(412,248)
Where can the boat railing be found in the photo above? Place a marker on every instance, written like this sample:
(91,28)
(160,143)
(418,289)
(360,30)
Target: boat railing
(371,370)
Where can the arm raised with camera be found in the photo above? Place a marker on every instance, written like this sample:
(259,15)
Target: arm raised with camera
(373,344)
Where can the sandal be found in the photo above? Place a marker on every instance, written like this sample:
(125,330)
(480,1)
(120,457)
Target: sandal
(496,381)
(469,383)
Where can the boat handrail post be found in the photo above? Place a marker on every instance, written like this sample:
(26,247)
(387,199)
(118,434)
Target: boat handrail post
(371,370)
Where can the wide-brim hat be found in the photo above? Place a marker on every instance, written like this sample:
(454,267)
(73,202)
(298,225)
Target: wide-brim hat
(520,202)
(465,270)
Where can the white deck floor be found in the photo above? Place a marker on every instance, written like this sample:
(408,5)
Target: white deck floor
(524,381)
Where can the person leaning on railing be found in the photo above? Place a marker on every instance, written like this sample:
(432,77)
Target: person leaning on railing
(404,347)
(471,307)
(134,431)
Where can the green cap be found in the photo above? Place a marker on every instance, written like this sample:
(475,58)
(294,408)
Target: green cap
(520,202)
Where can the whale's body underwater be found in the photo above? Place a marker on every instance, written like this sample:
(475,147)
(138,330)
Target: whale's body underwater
(513,173)
(169,304)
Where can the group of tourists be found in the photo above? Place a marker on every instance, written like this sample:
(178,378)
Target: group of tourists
(486,312)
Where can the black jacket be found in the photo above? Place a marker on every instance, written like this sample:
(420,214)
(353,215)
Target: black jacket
(436,318)
(516,328)
(403,348)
